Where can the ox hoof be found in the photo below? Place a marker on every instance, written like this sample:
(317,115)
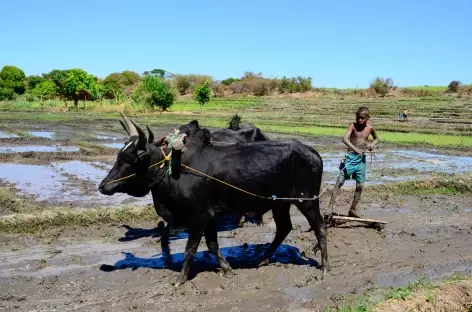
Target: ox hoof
(264,262)
(178,283)
(228,273)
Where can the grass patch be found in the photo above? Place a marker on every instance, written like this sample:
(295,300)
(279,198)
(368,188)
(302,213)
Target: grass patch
(59,217)
(423,294)
(439,184)
(11,203)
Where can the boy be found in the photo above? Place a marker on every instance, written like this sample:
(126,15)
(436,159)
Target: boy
(355,162)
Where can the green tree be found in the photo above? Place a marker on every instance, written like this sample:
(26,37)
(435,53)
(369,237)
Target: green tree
(155,72)
(58,76)
(12,79)
(78,83)
(44,91)
(155,91)
(33,80)
(202,93)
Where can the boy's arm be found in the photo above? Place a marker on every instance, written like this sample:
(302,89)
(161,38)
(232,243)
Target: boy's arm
(348,142)
(376,139)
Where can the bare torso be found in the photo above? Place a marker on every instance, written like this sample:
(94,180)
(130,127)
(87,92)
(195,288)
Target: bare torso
(359,135)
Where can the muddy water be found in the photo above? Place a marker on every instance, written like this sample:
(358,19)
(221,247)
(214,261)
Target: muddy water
(64,182)
(406,164)
(37,148)
(5,135)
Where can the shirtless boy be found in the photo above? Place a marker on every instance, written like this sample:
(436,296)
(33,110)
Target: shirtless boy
(355,162)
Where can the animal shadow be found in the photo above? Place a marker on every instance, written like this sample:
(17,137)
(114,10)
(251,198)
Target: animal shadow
(246,256)
(225,222)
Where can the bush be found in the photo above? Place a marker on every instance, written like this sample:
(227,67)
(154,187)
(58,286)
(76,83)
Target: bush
(155,91)
(382,86)
(182,84)
(228,81)
(218,89)
(12,80)
(202,93)
(454,86)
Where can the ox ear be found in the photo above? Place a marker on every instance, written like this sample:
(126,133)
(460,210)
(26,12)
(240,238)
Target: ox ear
(151,135)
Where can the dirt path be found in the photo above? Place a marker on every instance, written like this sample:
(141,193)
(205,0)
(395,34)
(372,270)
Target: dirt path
(428,235)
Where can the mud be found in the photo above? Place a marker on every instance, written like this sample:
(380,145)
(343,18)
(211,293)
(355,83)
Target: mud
(122,267)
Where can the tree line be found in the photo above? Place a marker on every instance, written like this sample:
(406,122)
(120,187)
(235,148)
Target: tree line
(157,87)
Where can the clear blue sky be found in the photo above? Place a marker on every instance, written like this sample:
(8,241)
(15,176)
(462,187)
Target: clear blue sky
(340,43)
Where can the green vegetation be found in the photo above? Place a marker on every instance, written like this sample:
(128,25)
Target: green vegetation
(438,184)
(38,222)
(421,290)
(202,94)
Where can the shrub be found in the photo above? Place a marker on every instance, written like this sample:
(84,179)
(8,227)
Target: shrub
(182,84)
(454,86)
(155,91)
(382,86)
(202,93)
(218,89)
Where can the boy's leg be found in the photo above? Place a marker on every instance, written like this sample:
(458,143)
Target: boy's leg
(359,175)
(336,188)
(357,197)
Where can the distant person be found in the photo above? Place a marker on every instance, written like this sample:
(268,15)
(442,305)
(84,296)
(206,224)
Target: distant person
(354,164)
(403,114)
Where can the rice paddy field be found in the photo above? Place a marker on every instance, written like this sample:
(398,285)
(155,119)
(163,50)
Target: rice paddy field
(66,247)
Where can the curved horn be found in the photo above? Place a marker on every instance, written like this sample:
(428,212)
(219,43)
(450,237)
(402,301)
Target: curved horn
(151,135)
(124,126)
(131,126)
(141,141)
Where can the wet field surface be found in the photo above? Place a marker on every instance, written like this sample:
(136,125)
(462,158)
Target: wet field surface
(123,267)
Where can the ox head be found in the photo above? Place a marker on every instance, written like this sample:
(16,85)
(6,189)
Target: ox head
(130,172)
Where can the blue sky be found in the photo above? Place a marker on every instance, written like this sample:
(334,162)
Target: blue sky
(338,43)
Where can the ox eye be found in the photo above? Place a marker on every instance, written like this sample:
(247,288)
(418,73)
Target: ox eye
(128,160)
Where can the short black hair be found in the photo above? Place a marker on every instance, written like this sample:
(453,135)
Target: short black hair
(363,110)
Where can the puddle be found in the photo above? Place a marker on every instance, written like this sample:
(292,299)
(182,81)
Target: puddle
(7,135)
(38,148)
(114,145)
(72,181)
(406,162)
(42,134)
(108,137)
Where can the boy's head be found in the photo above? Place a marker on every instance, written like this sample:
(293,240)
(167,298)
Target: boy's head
(362,115)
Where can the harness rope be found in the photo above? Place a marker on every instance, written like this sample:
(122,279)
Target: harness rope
(273,197)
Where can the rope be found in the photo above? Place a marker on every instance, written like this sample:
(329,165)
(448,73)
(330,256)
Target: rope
(167,158)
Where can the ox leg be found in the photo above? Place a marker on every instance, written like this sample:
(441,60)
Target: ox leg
(284,226)
(194,238)
(211,237)
(311,211)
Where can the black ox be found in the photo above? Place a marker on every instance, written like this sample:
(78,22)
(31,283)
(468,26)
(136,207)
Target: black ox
(236,134)
(191,200)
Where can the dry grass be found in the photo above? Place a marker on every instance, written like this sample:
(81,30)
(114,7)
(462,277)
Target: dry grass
(454,296)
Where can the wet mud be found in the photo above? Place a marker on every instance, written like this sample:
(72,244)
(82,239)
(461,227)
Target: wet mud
(123,267)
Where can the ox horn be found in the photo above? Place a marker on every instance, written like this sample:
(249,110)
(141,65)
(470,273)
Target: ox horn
(141,142)
(124,126)
(151,135)
(132,131)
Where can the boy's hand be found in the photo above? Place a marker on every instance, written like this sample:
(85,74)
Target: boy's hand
(370,147)
(359,151)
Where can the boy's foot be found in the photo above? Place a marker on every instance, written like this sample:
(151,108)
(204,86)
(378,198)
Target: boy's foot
(353,213)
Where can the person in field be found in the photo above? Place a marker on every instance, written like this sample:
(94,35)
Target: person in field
(354,163)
